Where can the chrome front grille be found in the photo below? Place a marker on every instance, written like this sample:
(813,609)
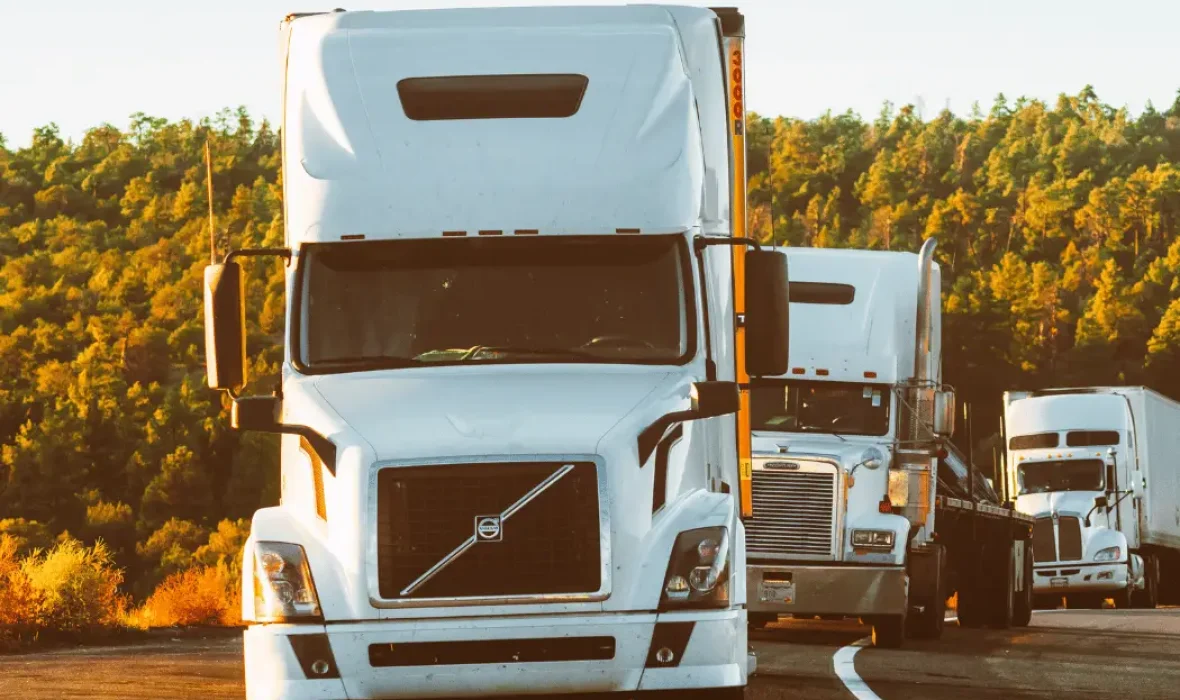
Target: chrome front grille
(794,512)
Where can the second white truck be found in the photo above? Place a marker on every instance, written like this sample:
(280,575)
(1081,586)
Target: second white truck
(1099,469)
(860,504)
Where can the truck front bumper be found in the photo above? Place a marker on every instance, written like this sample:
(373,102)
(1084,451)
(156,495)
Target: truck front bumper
(1056,579)
(826,590)
(465,657)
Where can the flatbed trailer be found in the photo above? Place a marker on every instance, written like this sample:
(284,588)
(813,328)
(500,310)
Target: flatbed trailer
(981,538)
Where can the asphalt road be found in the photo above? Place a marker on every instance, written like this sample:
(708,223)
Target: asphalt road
(1064,654)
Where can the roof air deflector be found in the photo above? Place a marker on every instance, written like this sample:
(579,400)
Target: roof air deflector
(517,96)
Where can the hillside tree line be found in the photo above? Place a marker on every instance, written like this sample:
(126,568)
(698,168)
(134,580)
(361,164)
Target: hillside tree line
(1057,228)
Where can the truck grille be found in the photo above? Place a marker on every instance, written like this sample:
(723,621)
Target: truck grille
(1069,538)
(550,545)
(1044,543)
(794,514)
(1064,545)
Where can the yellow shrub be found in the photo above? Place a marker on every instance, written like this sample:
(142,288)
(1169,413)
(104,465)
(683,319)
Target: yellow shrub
(206,595)
(78,587)
(19,602)
(70,589)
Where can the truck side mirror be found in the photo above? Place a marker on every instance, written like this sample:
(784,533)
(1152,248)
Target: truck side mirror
(225,326)
(767,320)
(711,399)
(1110,478)
(1099,502)
(944,413)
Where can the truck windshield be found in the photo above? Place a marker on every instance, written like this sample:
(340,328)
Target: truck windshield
(385,304)
(1060,475)
(819,407)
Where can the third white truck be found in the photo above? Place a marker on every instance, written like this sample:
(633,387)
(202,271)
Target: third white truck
(1099,469)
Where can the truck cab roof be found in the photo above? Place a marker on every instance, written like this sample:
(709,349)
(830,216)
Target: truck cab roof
(854,314)
(572,120)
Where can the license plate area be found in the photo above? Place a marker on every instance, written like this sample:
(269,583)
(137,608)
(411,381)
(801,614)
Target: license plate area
(777,587)
(1058,582)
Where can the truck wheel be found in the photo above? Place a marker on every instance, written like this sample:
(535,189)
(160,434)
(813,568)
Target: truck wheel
(1003,596)
(889,631)
(971,610)
(1148,598)
(1124,599)
(1022,614)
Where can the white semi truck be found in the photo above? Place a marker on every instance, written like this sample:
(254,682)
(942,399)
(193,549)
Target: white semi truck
(521,317)
(861,506)
(1099,469)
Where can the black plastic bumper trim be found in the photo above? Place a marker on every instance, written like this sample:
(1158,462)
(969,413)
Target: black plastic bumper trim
(310,648)
(494,651)
(672,636)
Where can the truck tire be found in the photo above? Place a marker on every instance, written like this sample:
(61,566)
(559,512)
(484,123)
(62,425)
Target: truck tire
(1003,594)
(1022,615)
(889,631)
(1124,599)
(1148,598)
(971,611)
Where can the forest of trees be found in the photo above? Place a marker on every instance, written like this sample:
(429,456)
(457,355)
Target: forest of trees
(1057,238)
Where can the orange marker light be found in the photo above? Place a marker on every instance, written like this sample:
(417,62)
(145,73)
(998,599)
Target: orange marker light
(870,375)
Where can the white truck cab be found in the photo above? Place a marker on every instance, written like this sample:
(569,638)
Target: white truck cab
(860,505)
(1078,461)
(827,431)
(511,400)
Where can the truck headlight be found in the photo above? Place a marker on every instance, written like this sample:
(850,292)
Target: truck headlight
(698,573)
(1109,554)
(283,588)
(873,539)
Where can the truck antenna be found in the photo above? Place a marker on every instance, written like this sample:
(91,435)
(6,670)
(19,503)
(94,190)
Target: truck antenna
(212,221)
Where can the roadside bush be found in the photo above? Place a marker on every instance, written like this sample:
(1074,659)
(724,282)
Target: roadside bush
(78,587)
(69,590)
(19,601)
(202,595)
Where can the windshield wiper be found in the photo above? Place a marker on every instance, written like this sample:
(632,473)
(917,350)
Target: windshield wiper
(821,431)
(474,352)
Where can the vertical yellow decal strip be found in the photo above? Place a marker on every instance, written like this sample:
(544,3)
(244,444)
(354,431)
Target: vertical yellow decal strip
(734,52)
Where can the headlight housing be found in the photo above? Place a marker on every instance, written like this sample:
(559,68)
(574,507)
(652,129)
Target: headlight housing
(873,539)
(283,587)
(1109,554)
(698,572)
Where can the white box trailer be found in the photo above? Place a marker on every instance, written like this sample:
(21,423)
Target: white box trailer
(1099,467)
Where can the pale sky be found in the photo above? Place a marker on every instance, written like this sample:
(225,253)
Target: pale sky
(80,63)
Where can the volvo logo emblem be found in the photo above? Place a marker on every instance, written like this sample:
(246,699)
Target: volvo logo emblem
(782,465)
(488,528)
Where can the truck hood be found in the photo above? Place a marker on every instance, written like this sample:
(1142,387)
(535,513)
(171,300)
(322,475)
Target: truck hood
(473,411)
(1044,504)
(849,451)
